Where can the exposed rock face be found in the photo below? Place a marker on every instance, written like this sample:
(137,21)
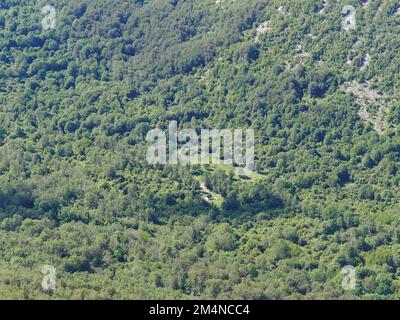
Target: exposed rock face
(373,105)
(366,62)
(262,28)
(323,9)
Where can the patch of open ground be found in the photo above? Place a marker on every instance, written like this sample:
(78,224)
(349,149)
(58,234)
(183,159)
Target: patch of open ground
(261,29)
(373,105)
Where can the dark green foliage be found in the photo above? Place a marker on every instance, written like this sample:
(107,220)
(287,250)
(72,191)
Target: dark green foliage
(77,102)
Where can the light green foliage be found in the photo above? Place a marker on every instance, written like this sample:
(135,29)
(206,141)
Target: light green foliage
(76,192)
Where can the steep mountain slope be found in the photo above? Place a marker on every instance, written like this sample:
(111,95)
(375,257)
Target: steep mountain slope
(76,192)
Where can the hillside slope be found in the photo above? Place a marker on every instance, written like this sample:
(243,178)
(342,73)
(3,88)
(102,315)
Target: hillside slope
(76,192)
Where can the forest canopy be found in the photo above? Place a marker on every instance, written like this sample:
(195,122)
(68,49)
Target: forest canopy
(77,101)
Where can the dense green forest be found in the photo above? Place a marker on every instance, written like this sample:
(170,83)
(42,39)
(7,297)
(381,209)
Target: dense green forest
(76,192)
